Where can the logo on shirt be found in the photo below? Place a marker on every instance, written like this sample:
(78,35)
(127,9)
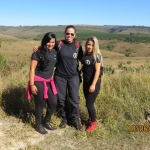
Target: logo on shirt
(75,55)
(55,56)
(87,62)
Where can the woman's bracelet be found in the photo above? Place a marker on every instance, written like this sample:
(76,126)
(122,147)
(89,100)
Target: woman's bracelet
(32,85)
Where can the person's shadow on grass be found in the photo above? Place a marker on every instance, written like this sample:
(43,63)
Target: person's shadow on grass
(14,103)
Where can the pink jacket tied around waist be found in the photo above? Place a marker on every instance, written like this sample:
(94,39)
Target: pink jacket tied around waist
(40,79)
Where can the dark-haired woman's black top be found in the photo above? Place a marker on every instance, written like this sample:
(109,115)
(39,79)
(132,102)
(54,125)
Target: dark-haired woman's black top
(45,71)
(88,68)
(67,58)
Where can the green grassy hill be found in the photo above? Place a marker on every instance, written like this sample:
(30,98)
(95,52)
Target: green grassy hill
(17,43)
(33,31)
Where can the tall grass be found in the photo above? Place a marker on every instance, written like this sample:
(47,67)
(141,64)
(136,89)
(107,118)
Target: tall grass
(13,100)
(13,82)
(3,62)
(124,99)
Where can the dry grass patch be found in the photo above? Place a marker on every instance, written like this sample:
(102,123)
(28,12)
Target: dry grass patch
(18,50)
(137,49)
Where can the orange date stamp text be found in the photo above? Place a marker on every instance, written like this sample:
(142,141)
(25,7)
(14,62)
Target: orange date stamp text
(139,128)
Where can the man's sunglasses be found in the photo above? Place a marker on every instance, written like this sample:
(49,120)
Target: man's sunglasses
(70,34)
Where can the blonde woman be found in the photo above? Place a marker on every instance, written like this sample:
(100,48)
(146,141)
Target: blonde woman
(91,61)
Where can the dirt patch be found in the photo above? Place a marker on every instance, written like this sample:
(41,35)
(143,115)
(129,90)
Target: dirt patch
(16,135)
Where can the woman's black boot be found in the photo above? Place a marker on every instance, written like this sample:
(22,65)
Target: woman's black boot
(47,119)
(39,128)
(48,126)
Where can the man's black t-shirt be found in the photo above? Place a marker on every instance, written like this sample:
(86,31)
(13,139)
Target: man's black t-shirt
(47,71)
(88,68)
(67,57)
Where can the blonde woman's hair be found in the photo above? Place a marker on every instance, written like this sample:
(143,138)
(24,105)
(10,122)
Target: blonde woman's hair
(96,51)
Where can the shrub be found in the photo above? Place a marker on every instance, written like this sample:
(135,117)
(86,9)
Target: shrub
(128,62)
(128,52)
(110,47)
(3,62)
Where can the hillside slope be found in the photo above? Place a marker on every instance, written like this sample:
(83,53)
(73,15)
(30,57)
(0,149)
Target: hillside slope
(32,31)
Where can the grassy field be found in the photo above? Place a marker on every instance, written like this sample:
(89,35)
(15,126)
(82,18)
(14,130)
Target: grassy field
(21,50)
(121,105)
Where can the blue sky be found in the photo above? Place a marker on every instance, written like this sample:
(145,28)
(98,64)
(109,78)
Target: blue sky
(65,12)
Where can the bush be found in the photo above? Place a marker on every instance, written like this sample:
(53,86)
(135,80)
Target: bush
(128,52)
(128,62)
(3,62)
(8,66)
(110,47)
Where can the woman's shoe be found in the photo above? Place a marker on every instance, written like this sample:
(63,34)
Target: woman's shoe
(48,126)
(39,128)
(87,124)
(93,126)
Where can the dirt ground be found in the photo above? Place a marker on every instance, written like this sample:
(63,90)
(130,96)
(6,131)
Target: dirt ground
(16,135)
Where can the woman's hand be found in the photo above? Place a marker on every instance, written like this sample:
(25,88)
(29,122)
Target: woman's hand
(35,48)
(34,89)
(92,88)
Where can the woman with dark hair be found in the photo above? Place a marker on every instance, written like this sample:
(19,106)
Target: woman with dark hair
(41,84)
(66,76)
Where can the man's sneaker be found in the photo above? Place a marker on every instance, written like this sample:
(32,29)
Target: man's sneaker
(63,123)
(77,124)
(93,126)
